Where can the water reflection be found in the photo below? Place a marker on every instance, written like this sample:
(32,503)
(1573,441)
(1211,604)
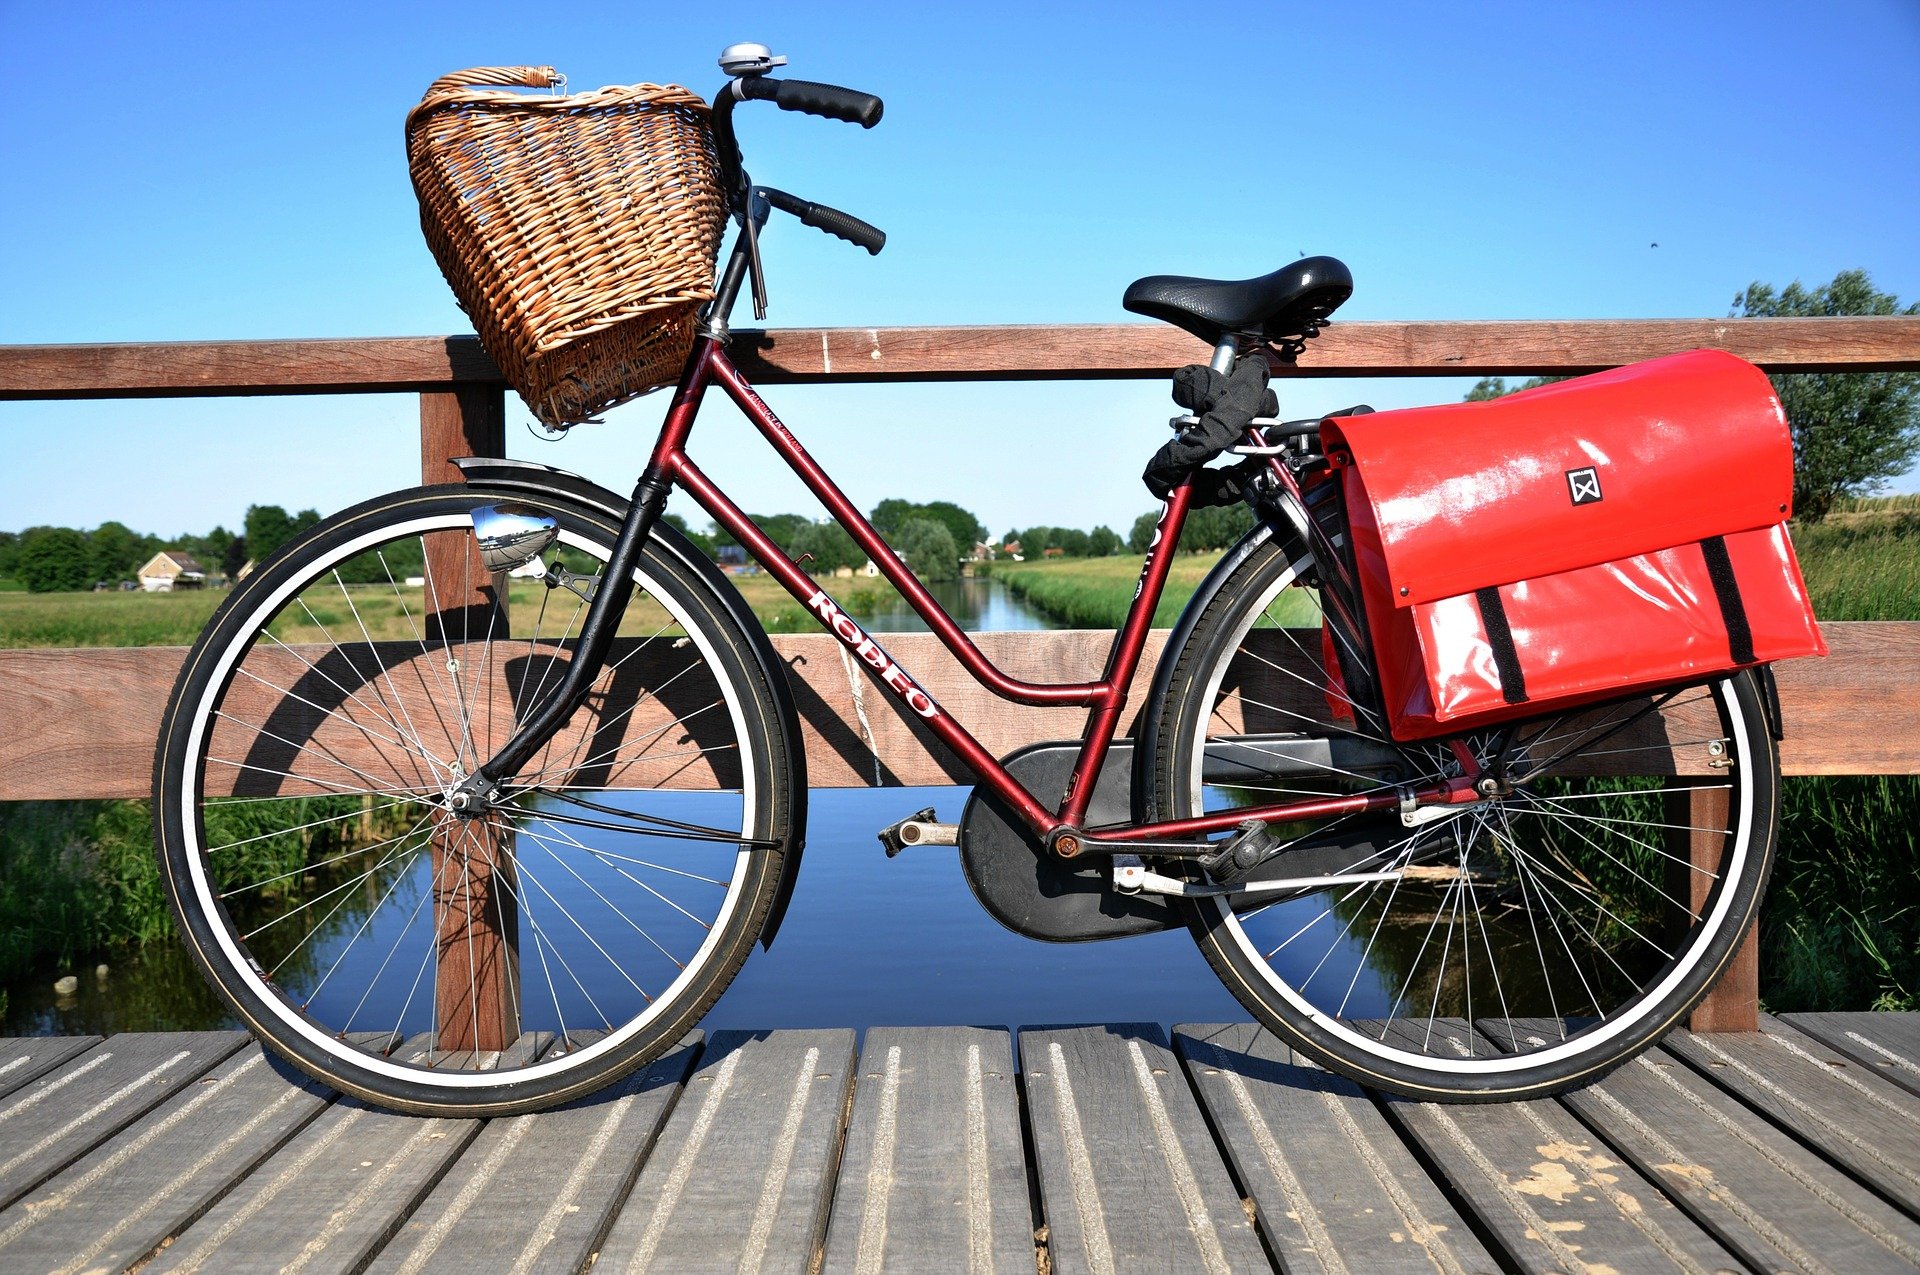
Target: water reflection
(980,605)
(868,941)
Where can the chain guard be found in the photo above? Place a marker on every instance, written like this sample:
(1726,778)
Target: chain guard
(1024,887)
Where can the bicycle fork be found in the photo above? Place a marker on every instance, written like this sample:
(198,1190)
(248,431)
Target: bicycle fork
(480,790)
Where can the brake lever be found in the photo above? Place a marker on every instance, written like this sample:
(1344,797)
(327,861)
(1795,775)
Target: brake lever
(757,213)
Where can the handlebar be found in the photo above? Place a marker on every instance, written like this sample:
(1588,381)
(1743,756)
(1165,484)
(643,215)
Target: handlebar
(748,64)
(832,220)
(826,100)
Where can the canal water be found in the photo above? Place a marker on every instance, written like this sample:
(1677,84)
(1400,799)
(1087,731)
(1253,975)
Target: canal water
(868,941)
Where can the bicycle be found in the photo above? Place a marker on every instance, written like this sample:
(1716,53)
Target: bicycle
(582,806)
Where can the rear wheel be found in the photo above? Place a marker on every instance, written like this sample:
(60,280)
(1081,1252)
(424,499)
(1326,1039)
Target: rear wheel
(1565,918)
(434,962)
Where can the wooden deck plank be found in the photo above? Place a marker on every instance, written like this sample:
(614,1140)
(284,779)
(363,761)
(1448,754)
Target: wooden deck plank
(1547,1190)
(1775,1203)
(1334,1186)
(537,1192)
(1886,1044)
(52,1122)
(742,1176)
(1858,1120)
(934,1175)
(145,1185)
(1130,1176)
(328,1198)
(24,1059)
(1612,1160)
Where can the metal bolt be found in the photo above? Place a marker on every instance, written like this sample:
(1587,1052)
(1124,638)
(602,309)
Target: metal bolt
(1067,846)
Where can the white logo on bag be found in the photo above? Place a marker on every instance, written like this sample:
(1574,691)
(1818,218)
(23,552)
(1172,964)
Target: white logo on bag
(1584,485)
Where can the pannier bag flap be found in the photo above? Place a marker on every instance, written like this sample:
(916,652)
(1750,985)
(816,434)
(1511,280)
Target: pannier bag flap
(1584,471)
(1651,620)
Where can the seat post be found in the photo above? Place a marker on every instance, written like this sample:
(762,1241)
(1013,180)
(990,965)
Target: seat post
(1225,352)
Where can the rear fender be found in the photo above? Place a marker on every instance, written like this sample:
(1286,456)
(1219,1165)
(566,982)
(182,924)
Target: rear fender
(510,475)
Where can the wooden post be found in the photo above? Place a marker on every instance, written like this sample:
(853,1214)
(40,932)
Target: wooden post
(1733,1005)
(477,984)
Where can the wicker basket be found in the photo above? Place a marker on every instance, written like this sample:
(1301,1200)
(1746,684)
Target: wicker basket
(578,232)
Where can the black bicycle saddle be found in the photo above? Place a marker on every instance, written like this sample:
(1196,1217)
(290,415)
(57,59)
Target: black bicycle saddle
(1290,302)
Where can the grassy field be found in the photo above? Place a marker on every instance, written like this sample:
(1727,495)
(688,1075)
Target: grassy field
(175,619)
(104,619)
(1094,593)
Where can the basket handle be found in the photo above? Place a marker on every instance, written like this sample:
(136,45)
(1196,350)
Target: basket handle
(532,77)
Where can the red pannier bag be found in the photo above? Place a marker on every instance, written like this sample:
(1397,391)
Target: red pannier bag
(1592,538)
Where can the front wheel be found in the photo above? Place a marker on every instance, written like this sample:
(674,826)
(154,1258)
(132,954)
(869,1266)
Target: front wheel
(429,960)
(1569,919)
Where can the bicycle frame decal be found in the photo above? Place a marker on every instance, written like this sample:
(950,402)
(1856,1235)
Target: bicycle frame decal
(843,627)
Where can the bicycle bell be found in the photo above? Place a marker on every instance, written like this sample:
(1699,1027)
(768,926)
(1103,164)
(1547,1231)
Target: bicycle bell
(749,59)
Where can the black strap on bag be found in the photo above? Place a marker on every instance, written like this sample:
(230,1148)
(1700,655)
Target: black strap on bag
(1726,590)
(1506,659)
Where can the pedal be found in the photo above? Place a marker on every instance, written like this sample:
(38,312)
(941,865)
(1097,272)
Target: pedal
(1246,850)
(918,830)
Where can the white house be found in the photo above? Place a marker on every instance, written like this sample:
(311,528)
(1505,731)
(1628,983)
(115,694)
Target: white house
(171,569)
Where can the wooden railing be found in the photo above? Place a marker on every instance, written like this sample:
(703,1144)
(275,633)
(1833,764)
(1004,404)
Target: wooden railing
(81,723)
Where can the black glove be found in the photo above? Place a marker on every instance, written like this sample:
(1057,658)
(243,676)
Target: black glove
(1226,404)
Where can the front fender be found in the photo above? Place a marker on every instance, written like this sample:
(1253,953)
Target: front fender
(510,475)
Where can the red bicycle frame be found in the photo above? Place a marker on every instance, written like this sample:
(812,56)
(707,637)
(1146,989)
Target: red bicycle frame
(1105,698)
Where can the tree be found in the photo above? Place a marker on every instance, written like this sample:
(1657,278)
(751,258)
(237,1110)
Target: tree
(1851,430)
(234,558)
(1488,388)
(1215,527)
(830,545)
(54,560)
(267,528)
(780,528)
(966,530)
(890,515)
(116,551)
(699,539)
(1103,542)
(928,547)
(9,553)
(1142,534)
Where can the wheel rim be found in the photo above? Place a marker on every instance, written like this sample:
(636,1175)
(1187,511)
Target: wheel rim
(1538,907)
(349,732)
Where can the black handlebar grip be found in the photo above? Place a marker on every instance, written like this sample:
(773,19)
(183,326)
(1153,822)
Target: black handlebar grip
(826,100)
(844,225)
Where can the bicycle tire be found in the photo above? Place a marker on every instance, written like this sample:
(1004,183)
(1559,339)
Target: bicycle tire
(1342,1000)
(306,695)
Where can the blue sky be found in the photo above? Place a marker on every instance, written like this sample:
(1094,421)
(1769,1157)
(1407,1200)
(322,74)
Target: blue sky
(188,171)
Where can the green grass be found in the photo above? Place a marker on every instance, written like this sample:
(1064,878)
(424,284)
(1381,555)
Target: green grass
(1094,593)
(105,619)
(1863,566)
(80,877)
(1840,929)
